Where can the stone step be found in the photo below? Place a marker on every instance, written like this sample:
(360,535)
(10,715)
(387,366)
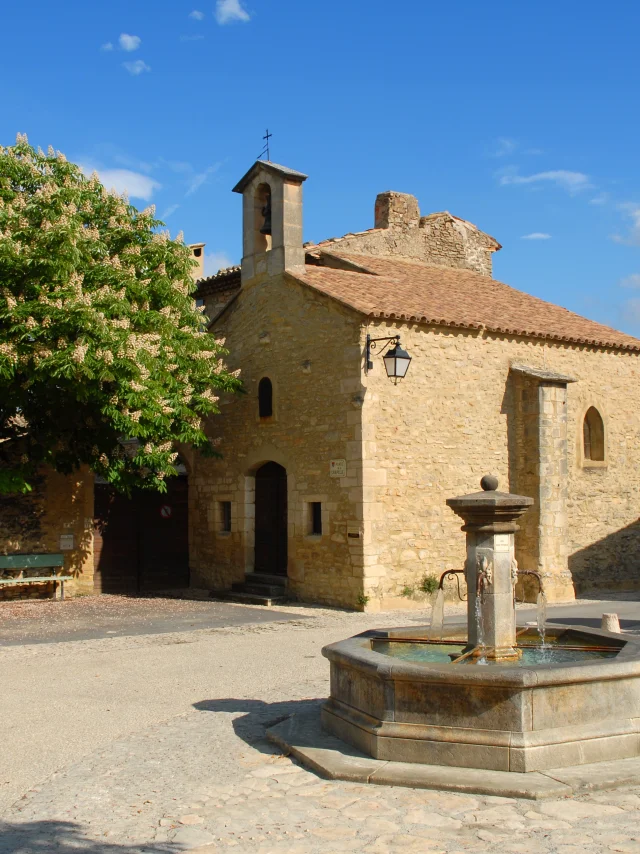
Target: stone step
(252,599)
(269,590)
(265,578)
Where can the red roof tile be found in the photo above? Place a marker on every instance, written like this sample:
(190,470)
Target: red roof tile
(404,290)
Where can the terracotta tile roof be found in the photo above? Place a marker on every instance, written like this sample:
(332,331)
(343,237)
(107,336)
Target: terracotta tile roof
(223,280)
(404,290)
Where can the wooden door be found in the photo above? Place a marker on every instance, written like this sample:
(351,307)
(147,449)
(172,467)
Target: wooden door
(271,520)
(164,537)
(141,543)
(115,542)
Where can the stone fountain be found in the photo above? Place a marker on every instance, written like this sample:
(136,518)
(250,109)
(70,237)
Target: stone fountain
(498,698)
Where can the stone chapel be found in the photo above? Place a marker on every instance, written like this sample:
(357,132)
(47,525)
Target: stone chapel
(334,475)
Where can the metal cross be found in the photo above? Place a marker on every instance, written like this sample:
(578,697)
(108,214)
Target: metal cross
(265,150)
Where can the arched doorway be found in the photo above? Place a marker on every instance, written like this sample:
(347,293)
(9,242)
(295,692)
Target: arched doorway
(141,543)
(271,520)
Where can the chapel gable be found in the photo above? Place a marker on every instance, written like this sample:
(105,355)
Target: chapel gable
(438,239)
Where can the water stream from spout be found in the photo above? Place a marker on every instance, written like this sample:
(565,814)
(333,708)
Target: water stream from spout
(541,604)
(480,630)
(437,617)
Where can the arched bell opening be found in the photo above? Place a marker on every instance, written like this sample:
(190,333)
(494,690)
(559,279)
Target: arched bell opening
(262,218)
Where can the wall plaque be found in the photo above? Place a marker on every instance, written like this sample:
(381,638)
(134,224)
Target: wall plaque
(338,468)
(501,542)
(66,542)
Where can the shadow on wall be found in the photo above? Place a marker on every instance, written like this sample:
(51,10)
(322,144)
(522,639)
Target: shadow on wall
(33,837)
(612,563)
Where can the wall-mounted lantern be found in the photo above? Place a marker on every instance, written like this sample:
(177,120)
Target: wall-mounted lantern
(396,360)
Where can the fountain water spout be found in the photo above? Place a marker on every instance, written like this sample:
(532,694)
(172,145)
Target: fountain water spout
(445,575)
(535,574)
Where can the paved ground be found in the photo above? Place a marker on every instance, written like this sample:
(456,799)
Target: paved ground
(155,743)
(48,621)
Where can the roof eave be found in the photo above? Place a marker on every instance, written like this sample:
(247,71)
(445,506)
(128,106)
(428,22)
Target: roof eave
(276,168)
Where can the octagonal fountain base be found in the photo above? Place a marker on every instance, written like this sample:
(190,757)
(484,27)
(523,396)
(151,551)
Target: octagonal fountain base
(504,717)
(528,731)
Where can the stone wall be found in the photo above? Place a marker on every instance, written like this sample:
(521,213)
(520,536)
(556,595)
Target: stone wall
(438,239)
(33,524)
(460,412)
(309,347)
(458,415)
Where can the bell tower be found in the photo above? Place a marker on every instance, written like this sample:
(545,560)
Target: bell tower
(271,219)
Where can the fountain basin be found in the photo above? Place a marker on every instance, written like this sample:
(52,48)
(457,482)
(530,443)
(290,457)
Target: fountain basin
(512,716)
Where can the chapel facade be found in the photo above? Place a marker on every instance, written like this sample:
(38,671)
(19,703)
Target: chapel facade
(333,477)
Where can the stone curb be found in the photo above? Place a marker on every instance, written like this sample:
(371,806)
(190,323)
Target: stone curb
(302,737)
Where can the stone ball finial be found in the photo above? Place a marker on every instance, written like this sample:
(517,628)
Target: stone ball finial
(489,483)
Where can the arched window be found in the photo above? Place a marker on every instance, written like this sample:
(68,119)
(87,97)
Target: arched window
(265,398)
(593,435)
(262,218)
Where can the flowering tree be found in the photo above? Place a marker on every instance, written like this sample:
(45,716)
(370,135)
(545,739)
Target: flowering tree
(100,339)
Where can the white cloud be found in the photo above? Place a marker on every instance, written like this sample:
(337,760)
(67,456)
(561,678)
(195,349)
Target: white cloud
(573,182)
(632,211)
(632,281)
(134,184)
(107,46)
(170,210)
(137,67)
(504,145)
(196,15)
(214,261)
(201,178)
(536,235)
(128,42)
(230,10)
(600,199)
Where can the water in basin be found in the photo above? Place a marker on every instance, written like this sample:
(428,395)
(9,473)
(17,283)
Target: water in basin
(428,653)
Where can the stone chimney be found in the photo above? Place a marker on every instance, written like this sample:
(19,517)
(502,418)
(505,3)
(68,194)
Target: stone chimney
(396,209)
(197,253)
(271,220)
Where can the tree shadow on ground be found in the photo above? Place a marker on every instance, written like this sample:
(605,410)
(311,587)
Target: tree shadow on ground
(64,837)
(257,716)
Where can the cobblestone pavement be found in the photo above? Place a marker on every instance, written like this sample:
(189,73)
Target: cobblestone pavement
(207,779)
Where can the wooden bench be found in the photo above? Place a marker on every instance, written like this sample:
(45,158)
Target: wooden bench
(20,563)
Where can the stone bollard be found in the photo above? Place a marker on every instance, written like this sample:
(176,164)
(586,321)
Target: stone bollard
(610,623)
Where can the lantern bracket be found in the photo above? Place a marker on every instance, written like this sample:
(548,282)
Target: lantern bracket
(372,344)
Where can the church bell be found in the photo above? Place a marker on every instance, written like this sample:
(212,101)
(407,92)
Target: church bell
(266,213)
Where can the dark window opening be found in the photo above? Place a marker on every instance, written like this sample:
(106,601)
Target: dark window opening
(593,435)
(197,252)
(315,517)
(265,398)
(225,517)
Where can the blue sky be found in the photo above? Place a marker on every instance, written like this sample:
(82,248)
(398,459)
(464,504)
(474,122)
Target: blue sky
(520,117)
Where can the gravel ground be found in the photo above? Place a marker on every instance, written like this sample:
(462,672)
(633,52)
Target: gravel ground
(155,743)
(91,617)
